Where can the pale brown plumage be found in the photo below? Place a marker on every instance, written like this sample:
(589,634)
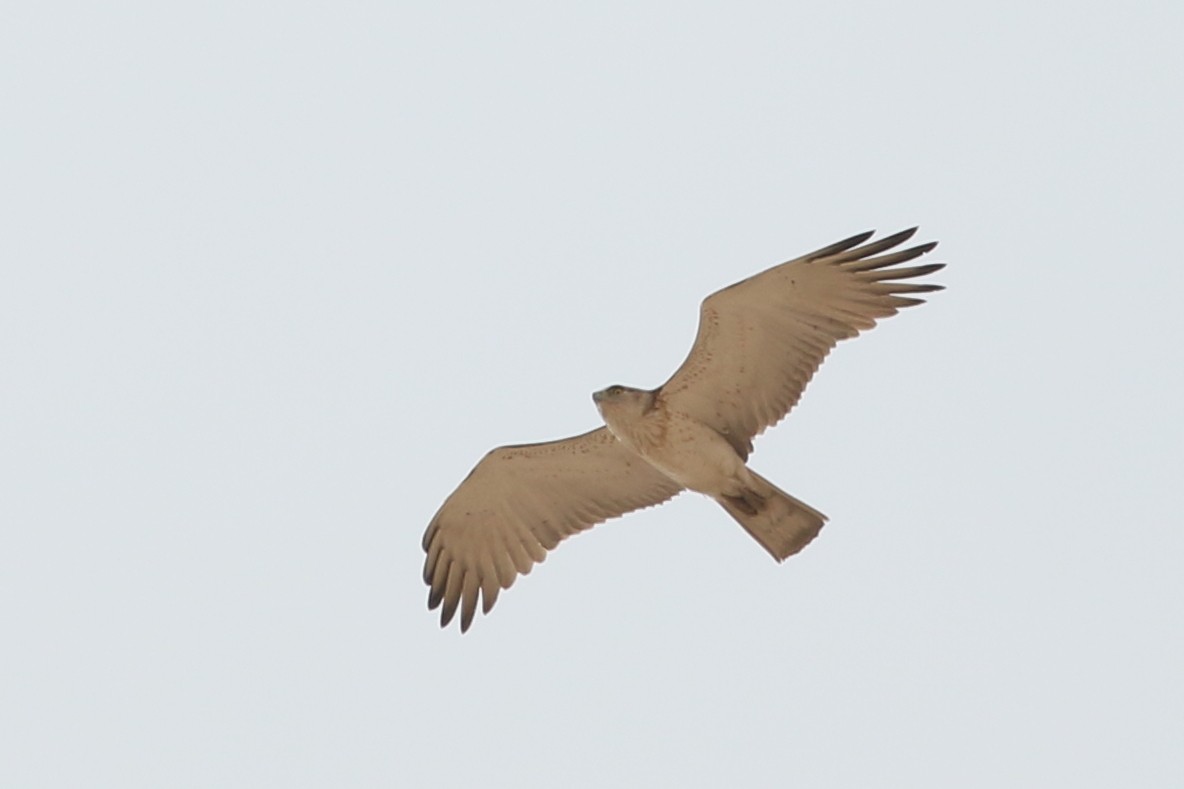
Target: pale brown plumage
(759,343)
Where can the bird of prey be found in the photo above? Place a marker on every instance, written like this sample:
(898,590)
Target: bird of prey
(759,343)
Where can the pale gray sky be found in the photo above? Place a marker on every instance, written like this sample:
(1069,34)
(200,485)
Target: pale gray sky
(276,275)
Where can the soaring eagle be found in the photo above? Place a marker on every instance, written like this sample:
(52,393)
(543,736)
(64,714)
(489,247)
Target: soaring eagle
(759,343)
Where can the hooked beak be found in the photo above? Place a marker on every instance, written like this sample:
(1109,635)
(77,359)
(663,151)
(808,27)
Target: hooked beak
(598,396)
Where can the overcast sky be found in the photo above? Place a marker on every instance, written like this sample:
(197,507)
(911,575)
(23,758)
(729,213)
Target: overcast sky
(276,275)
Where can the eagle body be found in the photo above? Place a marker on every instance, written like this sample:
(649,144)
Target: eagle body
(699,458)
(759,343)
(686,450)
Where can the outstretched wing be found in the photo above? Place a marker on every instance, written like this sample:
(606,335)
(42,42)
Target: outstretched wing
(761,340)
(520,502)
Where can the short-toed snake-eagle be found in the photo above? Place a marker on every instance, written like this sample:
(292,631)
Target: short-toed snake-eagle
(758,345)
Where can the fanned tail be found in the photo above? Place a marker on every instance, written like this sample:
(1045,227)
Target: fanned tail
(779,522)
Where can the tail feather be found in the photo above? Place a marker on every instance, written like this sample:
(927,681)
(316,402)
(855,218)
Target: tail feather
(779,522)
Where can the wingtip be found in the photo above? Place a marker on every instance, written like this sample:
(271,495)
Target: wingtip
(888,242)
(448,611)
(841,246)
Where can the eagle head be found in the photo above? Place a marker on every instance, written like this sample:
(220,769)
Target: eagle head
(622,404)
